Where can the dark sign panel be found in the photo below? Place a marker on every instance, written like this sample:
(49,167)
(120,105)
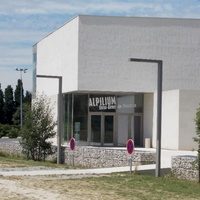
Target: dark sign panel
(130,146)
(72,144)
(102,103)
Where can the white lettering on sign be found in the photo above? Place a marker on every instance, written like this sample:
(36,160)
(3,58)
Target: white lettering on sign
(126,106)
(103,103)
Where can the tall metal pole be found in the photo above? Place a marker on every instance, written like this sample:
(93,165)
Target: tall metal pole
(60,106)
(159,118)
(60,115)
(21,119)
(159,108)
(21,109)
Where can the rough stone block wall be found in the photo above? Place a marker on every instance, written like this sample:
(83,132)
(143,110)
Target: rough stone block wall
(93,157)
(10,146)
(185,167)
(86,156)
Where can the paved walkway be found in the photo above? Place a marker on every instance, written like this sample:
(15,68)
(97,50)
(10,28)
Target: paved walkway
(166,156)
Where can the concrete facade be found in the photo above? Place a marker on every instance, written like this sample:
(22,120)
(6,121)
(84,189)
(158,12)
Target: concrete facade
(189,102)
(91,54)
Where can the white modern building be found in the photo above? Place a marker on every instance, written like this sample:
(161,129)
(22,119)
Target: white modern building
(107,98)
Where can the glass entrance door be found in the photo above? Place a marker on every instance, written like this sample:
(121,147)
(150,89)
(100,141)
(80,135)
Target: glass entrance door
(129,126)
(96,129)
(108,129)
(102,129)
(137,130)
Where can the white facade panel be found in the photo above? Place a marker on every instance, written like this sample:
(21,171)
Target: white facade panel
(54,106)
(170,120)
(106,44)
(178,115)
(57,55)
(189,102)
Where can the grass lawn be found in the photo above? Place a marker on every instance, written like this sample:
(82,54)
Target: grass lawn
(114,186)
(127,186)
(14,161)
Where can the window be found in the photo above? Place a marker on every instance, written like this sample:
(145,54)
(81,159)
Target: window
(81,115)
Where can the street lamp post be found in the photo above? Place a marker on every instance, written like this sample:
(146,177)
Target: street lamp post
(159,107)
(21,115)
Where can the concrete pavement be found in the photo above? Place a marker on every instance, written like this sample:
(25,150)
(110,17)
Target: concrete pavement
(166,156)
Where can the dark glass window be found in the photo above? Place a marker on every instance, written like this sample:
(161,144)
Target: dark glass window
(130,103)
(68,117)
(109,121)
(139,103)
(80,116)
(96,128)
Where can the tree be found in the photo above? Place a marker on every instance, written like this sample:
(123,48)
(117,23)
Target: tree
(26,102)
(38,129)
(16,116)
(17,102)
(9,108)
(197,138)
(28,97)
(18,93)
(1,106)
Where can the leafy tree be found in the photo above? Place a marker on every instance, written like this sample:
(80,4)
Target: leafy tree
(197,138)
(9,107)
(16,116)
(38,129)
(17,98)
(1,106)
(11,131)
(28,97)
(18,93)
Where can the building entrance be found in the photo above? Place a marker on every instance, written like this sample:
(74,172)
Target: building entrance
(101,129)
(108,129)
(104,119)
(129,126)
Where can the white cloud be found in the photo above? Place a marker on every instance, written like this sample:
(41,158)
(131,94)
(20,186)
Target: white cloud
(21,36)
(16,46)
(17,56)
(48,7)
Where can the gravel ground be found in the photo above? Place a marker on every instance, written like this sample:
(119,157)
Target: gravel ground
(50,187)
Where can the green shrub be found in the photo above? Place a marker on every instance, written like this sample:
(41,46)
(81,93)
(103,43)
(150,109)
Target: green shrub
(4,154)
(14,132)
(11,131)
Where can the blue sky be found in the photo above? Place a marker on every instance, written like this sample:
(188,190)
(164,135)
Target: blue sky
(25,22)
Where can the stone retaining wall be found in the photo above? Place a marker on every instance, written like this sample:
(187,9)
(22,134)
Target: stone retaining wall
(94,157)
(185,167)
(10,146)
(88,156)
